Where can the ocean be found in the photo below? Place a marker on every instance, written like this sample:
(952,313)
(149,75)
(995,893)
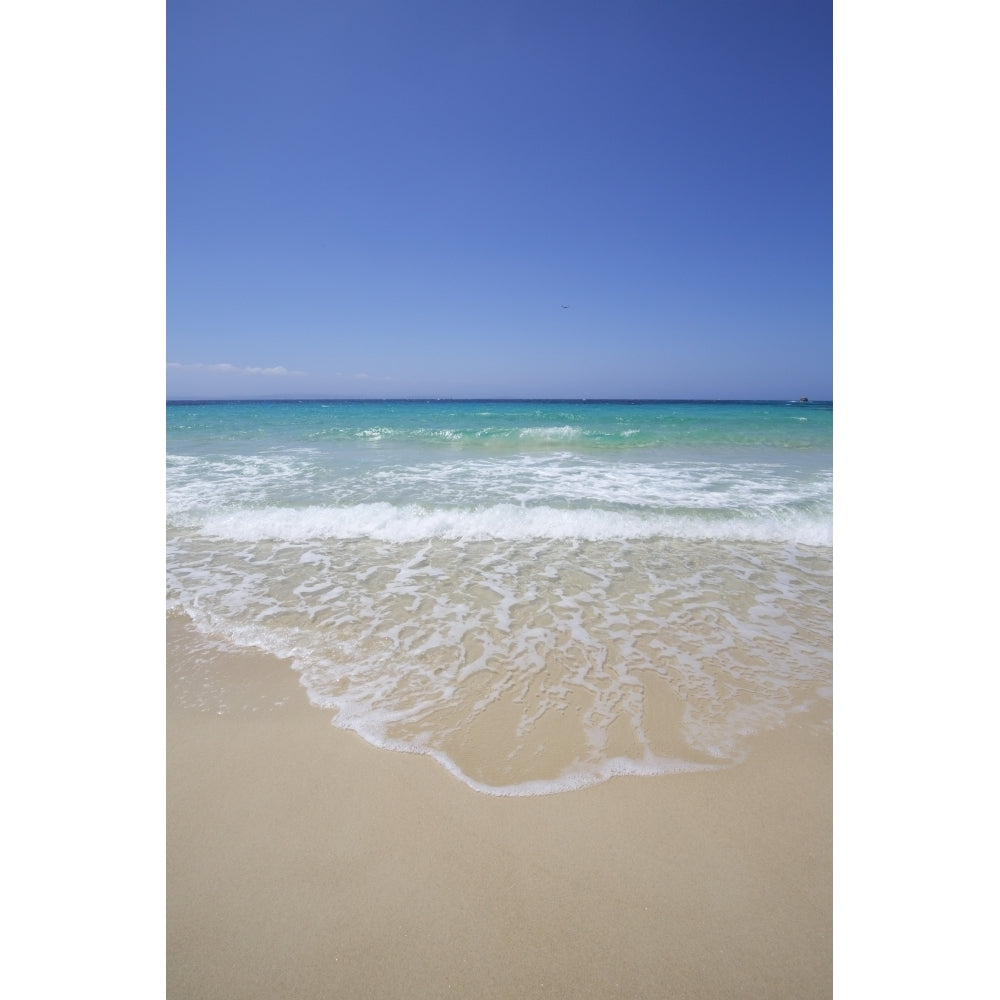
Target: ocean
(540,595)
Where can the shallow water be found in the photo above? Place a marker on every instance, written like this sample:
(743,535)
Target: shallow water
(540,595)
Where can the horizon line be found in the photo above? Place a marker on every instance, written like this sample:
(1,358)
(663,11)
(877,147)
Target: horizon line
(487,399)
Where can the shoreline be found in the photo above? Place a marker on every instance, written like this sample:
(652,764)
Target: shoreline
(302,861)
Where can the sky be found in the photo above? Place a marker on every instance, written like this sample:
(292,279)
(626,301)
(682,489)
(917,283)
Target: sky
(529,199)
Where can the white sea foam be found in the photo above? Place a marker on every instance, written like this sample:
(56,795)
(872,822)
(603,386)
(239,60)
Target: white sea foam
(532,614)
(418,644)
(566,432)
(385,522)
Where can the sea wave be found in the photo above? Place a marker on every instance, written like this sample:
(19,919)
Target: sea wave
(390,523)
(527,668)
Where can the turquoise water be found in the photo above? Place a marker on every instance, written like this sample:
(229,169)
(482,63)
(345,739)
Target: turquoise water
(540,595)
(496,425)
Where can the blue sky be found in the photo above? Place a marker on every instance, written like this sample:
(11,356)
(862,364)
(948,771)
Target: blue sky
(481,199)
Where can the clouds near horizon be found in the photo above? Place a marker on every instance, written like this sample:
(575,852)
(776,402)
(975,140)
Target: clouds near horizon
(228,369)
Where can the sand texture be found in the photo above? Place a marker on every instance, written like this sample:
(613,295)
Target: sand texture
(302,862)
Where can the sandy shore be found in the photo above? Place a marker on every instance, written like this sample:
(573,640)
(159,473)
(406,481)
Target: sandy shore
(302,862)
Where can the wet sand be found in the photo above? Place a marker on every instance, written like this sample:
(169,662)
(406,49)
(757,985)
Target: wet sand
(303,862)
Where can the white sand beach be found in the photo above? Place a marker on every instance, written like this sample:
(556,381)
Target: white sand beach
(303,862)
